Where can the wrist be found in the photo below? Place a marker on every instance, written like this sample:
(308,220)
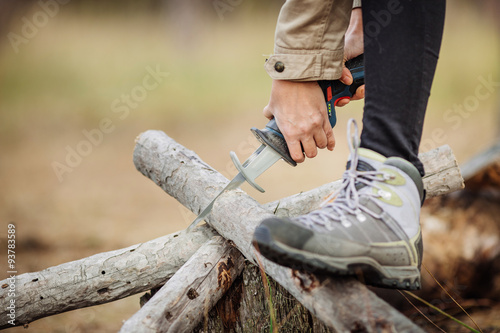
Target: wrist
(356,22)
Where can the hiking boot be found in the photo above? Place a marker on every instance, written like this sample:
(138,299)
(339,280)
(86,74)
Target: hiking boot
(369,227)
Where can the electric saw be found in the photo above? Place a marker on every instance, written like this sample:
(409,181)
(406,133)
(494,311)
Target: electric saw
(273,145)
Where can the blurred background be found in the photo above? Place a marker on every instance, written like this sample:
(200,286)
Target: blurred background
(76,88)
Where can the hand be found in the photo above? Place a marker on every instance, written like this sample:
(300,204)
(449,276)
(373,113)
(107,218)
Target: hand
(353,47)
(301,115)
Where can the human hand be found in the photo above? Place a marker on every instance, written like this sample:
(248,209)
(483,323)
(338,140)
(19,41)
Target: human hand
(301,115)
(353,46)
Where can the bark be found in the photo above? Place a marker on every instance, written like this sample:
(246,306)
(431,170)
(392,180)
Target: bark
(183,175)
(101,278)
(190,294)
(246,307)
(442,174)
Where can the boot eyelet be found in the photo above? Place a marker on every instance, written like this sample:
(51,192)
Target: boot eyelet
(389,176)
(345,222)
(360,217)
(384,194)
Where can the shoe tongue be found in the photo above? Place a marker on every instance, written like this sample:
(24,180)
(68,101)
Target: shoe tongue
(368,160)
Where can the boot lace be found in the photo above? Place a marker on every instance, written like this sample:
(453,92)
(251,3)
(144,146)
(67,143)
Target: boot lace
(346,200)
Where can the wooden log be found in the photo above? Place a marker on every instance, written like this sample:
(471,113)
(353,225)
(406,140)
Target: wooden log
(183,175)
(442,174)
(247,300)
(342,304)
(82,290)
(188,296)
(100,278)
(153,317)
(246,307)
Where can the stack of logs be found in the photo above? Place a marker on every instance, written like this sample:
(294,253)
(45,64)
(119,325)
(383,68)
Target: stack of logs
(195,270)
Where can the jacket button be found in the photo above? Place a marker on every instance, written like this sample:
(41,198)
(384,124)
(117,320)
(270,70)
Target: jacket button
(279,67)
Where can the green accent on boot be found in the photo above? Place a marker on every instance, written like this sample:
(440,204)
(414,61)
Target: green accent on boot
(372,155)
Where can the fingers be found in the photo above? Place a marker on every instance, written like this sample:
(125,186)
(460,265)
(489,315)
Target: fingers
(303,144)
(346,77)
(295,149)
(324,136)
(309,146)
(343,102)
(320,139)
(330,138)
(360,93)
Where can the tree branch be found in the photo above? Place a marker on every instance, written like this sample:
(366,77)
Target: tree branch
(190,294)
(100,278)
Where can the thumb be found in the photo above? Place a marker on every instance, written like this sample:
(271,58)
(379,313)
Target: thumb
(267,112)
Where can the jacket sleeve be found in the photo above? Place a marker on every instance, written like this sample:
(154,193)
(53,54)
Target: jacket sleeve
(309,40)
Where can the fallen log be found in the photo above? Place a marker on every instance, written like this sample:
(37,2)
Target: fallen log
(181,303)
(100,278)
(183,175)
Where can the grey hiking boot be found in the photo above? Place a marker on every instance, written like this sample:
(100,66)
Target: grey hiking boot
(369,227)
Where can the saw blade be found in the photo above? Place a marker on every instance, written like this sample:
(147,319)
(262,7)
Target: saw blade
(236,182)
(261,160)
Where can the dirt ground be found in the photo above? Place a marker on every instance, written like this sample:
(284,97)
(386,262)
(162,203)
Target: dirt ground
(66,80)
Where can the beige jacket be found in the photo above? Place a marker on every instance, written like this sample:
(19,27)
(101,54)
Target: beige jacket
(309,40)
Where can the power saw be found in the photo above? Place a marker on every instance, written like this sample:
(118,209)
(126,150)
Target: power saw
(273,145)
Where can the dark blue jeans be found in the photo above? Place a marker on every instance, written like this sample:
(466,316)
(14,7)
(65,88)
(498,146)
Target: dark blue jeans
(402,42)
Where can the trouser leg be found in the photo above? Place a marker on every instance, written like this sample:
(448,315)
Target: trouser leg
(402,42)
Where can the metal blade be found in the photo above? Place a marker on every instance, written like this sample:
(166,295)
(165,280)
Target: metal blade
(236,182)
(254,155)
(263,158)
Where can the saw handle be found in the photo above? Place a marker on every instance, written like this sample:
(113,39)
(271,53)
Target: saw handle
(333,90)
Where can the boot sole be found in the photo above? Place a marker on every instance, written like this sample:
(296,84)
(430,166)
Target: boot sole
(367,269)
